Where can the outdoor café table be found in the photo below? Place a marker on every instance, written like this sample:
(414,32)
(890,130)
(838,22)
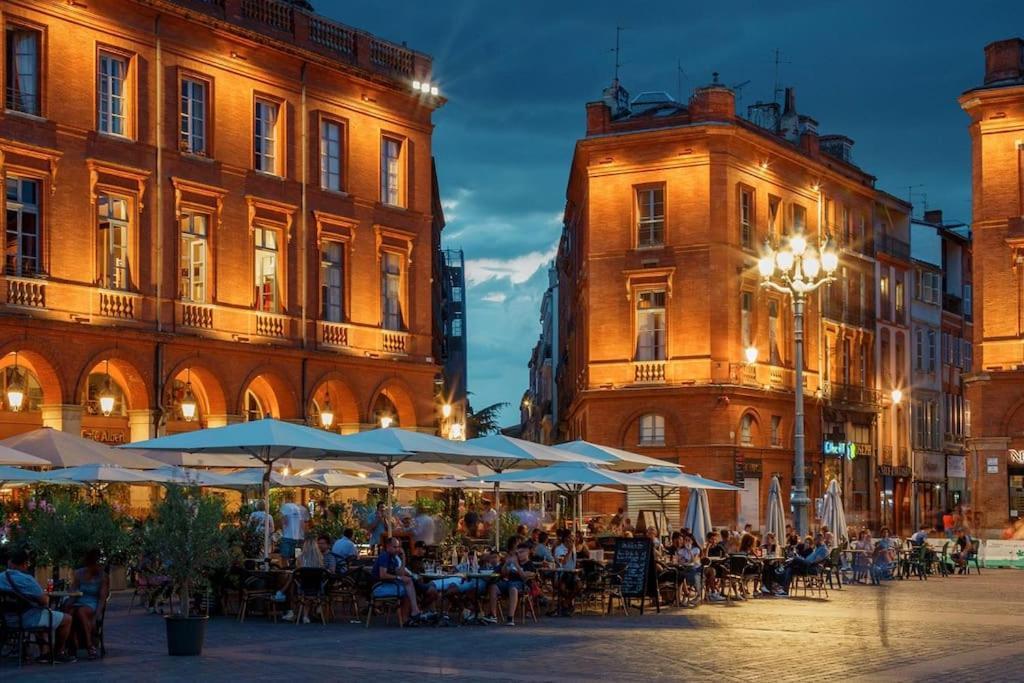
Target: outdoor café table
(58,598)
(488,578)
(443,593)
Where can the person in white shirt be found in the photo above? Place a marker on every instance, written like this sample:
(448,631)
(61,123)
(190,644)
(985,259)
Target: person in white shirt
(293,528)
(258,517)
(424,529)
(342,552)
(565,582)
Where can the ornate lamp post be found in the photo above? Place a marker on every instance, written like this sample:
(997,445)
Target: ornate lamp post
(796,270)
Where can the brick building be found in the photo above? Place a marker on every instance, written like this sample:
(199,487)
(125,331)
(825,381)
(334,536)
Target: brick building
(232,200)
(995,462)
(667,207)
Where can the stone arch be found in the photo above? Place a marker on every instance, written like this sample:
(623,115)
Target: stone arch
(343,400)
(207,386)
(124,371)
(755,427)
(275,394)
(673,427)
(44,370)
(398,392)
(1012,423)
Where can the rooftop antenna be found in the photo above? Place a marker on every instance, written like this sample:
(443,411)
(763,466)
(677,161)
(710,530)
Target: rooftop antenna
(680,77)
(738,89)
(778,86)
(617,51)
(912,190)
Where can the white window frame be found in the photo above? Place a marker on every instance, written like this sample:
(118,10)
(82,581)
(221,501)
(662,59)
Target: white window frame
(331,141)
(746,319)
(651,325)
(112,116)
(746,217)
(115,254)
(746,430)
(266,136)
(652,430)
(195,97)
(193,257)
(774,333)
(650,223)
(23,69)
(776,431)
(267,269)
(391,312)
(968,301)
(391,153)
(332,281)
(17,209)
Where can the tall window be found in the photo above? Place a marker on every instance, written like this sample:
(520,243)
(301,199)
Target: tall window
(799,218)
(265,156)
(21,70)
(773,333)
(932,351)
(391,292)
(747,430)
(919,349)
(883,286)
(390,171)
(650,217)
(776,430)
(192,255)
(650,325)
(253,407)
(330,156)
(899,299)
(746,218)
(112,98)
(844,224)
(652,430)
(332,288)
(846,361)
(968,301)
(113,242)
(774,204)
(268,297)
(746,312)
(21,250)
(193,116)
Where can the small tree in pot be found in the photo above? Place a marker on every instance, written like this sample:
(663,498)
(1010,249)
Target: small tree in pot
(185,535)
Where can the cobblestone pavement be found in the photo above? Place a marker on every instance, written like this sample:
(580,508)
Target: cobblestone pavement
(963,628)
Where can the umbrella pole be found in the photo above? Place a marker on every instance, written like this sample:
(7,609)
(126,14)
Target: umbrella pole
(389,470)
(497,520)
(266,508)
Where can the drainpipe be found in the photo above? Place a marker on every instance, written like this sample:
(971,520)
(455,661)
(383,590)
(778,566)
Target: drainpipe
(303,258)
(158,388)
(159,174)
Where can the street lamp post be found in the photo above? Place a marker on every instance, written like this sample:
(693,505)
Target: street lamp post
(796,270)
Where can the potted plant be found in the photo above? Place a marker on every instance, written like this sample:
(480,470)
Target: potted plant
(185,535)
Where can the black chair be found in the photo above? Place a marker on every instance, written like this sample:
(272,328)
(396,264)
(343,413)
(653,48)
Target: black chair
(310,583)
(14,632)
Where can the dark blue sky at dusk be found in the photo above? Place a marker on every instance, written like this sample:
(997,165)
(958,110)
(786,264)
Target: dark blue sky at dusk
(518,74)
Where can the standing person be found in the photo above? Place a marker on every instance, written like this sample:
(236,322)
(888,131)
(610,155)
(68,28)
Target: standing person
(378,523)
(424,528)
(257,519)
(293,527)
(17,580)
(948,522)
(92,582)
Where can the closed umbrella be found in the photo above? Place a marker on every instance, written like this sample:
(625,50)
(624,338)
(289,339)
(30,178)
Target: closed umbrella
(267,440)
(61,449)
(775,516)
(698,515)
(833,515)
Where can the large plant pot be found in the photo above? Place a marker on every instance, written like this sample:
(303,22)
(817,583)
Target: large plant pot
(118,578)
(185,635)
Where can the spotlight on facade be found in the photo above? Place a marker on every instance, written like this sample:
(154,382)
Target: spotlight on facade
(446,410)
(434,91)
(897,396)
(327,414)
(189,406)
(750,354)
(16,389)
(386,421)
(457,432)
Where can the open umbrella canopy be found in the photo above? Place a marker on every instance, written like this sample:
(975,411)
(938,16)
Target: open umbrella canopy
(568,476)
(611,457)
(775,516)
(251,478)
(528,453)
(392,446)
(61,449)
(185,459)
(663,477)
(10,456)
(833,516)
(333,479)
(18,475)
(98,474)
(183,476)
(698,515)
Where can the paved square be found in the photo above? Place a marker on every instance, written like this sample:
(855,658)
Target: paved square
(962,628)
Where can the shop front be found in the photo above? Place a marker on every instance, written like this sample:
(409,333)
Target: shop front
(1015,476)
(850,464)
(894,494)
(929,500)
(956,479)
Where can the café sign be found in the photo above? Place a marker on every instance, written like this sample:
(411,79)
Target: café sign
(840,449)
(1015,456)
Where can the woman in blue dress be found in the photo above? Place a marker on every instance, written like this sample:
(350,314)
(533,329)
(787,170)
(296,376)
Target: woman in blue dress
(92,582)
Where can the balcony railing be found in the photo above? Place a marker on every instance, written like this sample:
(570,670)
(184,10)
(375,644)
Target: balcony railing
(852,394)
(334,334)
(649,372)
(278,15)
(120,305)
(851,316)
(392,341)
(28,292)
(893,246)
(196,315)
(952,303)
(271,325)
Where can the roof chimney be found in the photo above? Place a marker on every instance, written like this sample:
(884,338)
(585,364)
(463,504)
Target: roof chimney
(933,216)
(1004,60)
(598,118)
(713,101)
(789,124)
(617,99)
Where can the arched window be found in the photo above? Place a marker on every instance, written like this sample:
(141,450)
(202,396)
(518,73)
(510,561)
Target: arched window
(652,430)
(24,379)
(747,430)
(97,385)
(253,407)
(385,414)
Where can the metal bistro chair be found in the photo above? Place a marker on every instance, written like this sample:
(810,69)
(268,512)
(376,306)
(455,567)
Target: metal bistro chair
(310,592)
(343,588)
(390,605)
(13,633)
(813,580)
(254,589)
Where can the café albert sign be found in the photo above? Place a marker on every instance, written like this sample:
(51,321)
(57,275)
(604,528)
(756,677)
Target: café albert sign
(1015,457)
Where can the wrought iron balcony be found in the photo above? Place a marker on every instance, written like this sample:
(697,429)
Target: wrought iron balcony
(893,246)
(953,304)
(852,394)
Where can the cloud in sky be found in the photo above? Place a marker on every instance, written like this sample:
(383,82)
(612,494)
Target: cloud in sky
(518,75)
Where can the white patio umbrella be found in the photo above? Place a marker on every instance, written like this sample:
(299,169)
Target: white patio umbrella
(97,477)
(10,456)
(775,516)
(183,476)
(251,478)
(19,476)
(61,449)
(698,515)
(573,478)
(185,459)
(833,515)
(616,458)
(267,440)
(663,481)
(526,454)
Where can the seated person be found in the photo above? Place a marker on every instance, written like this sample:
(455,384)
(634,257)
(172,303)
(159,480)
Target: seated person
(323,544)
(309,558)
(770,547)
(803,566)
(963,551)
(511,585)
(714,572)
(565,583)
(541,552)
(687,557)
(617,520)
(92,581)
(17,580)
(582,547)
(151,573)
(920,536)
(342,553)
(426,590)
(395,581)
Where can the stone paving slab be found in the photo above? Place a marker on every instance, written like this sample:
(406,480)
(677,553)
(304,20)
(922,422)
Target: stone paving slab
(963,628)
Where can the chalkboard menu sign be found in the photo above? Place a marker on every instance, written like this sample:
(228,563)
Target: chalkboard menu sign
(635,557)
